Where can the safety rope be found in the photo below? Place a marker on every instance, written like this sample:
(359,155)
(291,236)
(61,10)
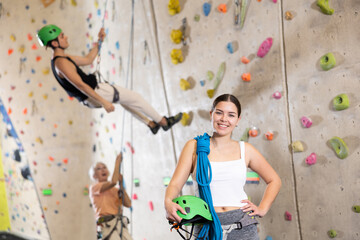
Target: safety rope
(203,178)
(97,69)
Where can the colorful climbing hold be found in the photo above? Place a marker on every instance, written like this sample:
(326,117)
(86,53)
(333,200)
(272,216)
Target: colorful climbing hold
(356,208)
(230,47)
(185,119)
(277,95)
(297,146)
(288,216)
(341,102)
(210,75)
(327,61)
(136,182)
(288,15)
(134,196)
(339,147)
(151,205)
(222,8)
(245,136)
(311,159)
(176,56)
(269,135)
(206,8)
(332,233)
(219,76)
(184,84)
(253,131)
(174,7)
(265,47)
(246,77)
(245,60)
(306,122)
(197,17)
(47,192)
(176,36)
(324,6)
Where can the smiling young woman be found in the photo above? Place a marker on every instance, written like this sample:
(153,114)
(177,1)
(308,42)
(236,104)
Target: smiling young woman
(228,160)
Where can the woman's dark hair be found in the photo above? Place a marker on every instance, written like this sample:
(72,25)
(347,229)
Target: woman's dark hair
(227,98)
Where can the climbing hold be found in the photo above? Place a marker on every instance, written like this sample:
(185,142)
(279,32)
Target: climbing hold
(268,238)
(222,8)
(356,208)
(22,49)
(176,36)
(327,61)
(246,77)
(254,131)
(341,102)
(269,135)
(86,191)
(324,6)
(210,75)
(136,182)
(184,85)
(46,71)
(202,82)
(230,47)
(206,9)
(10,51)
(339,147)
(174,7)
(245,60)
(288,216)
(332,233)
(277,95)
(12,37)
(265,47)
(47,192)
(197,18)
(297,146)
(311,159)
(176,56)
(185,119)
(128,144)
(245,136)
(39,140)
(134,196)
(219,76)
(241,7)
(288,15)
(166,181)
(306,122)
(151,205)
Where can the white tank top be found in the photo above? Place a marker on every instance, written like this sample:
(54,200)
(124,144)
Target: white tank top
(228,181)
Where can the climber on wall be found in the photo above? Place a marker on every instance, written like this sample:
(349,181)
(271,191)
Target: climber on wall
(107,201)
(87,88)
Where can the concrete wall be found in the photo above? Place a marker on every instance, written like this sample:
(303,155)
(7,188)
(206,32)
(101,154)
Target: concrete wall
(72,132)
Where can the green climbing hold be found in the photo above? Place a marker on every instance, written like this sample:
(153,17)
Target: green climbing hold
(197,17)
(47,192)
(327,61)
(339,147)
(210,75)
(324,6)
(332,233)
(356,208)
(245,136)
(341,102)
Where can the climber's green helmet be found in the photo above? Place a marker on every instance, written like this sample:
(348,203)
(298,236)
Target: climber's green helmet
(197,210)
(48,33)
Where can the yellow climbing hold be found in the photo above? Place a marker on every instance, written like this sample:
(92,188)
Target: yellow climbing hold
(45,96)
(46,71)
(176,36)
(174,7)
(12,37)
(39,140)
(185,120)
(297,146)
(22,49)
(31,94)
(184,85)
(210,93)
(176,56)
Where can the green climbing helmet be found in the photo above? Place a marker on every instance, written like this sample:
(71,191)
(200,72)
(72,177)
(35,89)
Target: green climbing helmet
(48,33)
(197,210)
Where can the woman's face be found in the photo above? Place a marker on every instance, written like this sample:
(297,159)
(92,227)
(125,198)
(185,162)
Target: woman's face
(101,172)
(224,118)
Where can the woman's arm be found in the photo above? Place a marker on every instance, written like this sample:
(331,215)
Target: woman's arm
(178,180)
(259,164)
(115,176)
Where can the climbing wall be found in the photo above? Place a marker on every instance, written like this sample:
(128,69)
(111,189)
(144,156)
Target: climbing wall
(62,139)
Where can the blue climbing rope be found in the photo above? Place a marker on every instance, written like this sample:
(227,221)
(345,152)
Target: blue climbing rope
(213,230)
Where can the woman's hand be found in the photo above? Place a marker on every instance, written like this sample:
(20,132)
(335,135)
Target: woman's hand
(171,211)
(101,34)
(109,107)
(253,209)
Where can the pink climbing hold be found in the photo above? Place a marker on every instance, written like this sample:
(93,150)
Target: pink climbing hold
(277,95)
(311,159)
(134,196)
(151,205)
(265,47)
(131,147)
(306,122)
(274,1)
(288,216)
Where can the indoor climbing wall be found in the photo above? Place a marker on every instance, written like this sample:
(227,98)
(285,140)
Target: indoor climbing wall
(286,94)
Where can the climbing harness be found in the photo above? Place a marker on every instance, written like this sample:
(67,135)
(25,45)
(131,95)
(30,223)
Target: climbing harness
(105,221)
(246,220)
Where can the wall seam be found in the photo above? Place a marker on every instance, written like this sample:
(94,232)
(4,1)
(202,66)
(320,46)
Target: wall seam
(286,87)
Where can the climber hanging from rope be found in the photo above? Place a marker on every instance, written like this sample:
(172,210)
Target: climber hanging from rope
(89,89)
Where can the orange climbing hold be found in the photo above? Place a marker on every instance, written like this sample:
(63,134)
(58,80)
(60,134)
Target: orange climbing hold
(222,8)
(246,77)
(245,60)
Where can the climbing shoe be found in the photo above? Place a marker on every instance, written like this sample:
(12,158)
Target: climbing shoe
(171,121)
(155,129)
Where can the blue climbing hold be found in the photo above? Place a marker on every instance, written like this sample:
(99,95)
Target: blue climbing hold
(230,47)
(206,9)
